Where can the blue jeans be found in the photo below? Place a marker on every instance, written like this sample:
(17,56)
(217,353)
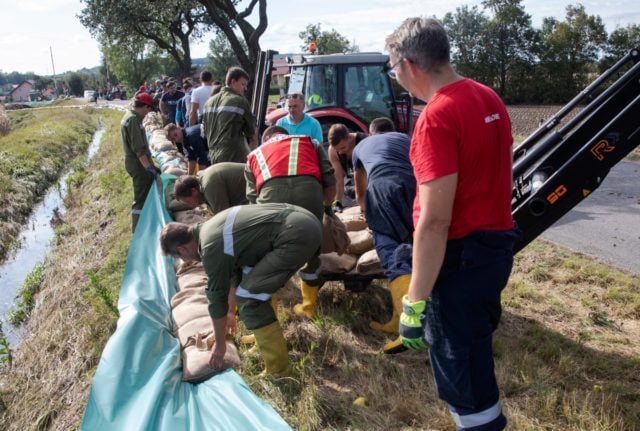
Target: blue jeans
(395,257)
(461,318)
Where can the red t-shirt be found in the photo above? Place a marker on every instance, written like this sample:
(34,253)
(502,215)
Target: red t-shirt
(465,129)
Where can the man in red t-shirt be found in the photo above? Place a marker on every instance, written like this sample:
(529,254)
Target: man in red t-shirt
(464,232)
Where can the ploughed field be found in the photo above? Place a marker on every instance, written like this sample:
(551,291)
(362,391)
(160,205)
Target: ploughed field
(525,119)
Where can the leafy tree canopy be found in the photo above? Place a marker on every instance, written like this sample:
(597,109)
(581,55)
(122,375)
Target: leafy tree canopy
(327,42)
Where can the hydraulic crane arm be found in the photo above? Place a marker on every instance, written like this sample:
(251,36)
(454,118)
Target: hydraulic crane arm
(557,167)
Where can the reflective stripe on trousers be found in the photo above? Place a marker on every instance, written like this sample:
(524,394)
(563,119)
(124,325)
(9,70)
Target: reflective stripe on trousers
(477,419)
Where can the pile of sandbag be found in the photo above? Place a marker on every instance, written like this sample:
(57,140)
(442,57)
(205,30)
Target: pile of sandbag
(192,324)
(161,148)
(359,256)
(189,306)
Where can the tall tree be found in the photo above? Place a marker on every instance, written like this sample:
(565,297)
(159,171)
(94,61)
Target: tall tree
(569,51)
(510,38)
(620,42)
(228,19)
(170,24)
(75,83)
(327,42)
(222,56)
(467,29)
(132,63)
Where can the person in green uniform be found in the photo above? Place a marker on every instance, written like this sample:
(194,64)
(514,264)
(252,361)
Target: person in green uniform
(295,170)
(227,120)
(219,186)
(267,244)
(137,157)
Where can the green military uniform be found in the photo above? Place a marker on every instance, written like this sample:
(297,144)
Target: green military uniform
(302,190)
(227,121)
(134,142)
(267,242)
(223,186)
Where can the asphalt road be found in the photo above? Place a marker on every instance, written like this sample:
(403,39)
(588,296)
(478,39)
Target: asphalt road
(606,225)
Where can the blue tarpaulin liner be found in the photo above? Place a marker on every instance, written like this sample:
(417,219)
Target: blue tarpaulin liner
(138,385)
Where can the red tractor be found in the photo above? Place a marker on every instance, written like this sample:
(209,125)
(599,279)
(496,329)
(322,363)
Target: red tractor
(351,89)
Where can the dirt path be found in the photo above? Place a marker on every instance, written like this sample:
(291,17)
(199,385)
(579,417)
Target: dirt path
(606,225)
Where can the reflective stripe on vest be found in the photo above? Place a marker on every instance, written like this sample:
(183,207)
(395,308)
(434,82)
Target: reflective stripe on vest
(285,157)
(477,419)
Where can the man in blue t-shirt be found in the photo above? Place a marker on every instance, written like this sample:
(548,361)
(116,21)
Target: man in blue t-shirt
(299,123)
(193,143)
(385,188)
(169,102)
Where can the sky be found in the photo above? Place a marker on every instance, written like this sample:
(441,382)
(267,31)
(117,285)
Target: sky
(32,30)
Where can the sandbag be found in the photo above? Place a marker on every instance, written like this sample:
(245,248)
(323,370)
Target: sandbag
(353,220)
(189,216)
(194,279)
(175,171)
(189,267)
(333,263)
(196,354)
(361,241)
(369,263)
(334,235)
(152,121)
(200,324)
(187,305)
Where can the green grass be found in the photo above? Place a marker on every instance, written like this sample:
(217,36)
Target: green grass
(32,156)
(19,311)
(6,359)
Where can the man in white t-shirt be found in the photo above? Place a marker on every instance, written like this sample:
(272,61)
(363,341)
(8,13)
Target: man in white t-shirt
(199,96)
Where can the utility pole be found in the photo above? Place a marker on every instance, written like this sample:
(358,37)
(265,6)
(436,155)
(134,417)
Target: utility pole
(53,67)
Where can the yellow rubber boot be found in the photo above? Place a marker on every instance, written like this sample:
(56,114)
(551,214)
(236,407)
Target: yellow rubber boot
(273,347)
(398,288)
(394,346)
(309,299)
(250,340)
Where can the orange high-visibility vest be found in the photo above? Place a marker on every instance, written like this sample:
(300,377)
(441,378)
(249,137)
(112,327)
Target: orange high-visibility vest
(286,157)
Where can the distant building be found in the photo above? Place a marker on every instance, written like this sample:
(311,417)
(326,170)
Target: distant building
(20,92)
(280,71)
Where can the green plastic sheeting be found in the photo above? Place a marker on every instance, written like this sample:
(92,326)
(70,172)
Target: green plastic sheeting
(138,383)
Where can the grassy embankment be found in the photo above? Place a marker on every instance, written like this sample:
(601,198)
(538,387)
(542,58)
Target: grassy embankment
(42,142)
(567,350)
(75,312)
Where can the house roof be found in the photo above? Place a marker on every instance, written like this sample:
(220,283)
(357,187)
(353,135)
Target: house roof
(26,81)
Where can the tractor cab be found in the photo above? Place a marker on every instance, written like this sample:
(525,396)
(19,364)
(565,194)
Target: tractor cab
(352,89)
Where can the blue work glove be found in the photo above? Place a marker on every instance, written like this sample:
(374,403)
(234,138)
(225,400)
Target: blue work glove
(328,210)
(152,170)
(337,206)
(412,321)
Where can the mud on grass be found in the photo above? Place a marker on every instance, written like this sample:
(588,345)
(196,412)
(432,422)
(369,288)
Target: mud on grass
(32,156)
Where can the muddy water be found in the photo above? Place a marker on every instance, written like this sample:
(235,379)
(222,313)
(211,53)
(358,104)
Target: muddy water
(34,242)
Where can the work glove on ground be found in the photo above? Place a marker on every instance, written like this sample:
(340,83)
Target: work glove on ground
(337,206)
(153,170)
(412,321)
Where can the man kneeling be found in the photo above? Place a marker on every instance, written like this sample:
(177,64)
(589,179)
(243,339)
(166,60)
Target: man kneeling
(268,243)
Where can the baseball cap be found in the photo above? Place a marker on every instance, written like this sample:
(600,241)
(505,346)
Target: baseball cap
(144,98)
